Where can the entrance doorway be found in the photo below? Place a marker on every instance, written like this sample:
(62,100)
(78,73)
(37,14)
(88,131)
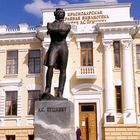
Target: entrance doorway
(88,121)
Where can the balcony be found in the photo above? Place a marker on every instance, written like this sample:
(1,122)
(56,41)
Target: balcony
(86,72)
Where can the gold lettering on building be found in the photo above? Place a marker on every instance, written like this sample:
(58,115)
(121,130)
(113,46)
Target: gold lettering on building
(86,17)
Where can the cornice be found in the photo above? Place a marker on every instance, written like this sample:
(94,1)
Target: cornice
(9,38)
(23,33)
(119,23)
(80,37)
(16,82)
(78,34)
(116,26)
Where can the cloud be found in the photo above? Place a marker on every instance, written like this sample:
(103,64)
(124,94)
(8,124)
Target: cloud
(63,2)
(36,6)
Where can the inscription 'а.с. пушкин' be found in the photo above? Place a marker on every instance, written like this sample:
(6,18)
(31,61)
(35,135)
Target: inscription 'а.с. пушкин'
(52,109)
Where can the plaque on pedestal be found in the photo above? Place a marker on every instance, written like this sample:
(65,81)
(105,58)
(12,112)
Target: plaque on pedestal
(54,120)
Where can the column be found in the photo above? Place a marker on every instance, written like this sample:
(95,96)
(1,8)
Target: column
(45,49)
(108,82)
(128,83)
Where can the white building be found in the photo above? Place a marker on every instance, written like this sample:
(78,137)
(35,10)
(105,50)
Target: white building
(103,73)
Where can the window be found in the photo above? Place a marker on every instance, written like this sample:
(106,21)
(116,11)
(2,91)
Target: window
(30,137)
(118,99)
(34,61)
(86,53)
(87,108)
(138,56)
(10,137)
(12,62)
(139,97)
(33,96)
(11,103)
(116,46)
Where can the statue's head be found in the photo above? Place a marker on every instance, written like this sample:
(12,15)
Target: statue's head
(59,13)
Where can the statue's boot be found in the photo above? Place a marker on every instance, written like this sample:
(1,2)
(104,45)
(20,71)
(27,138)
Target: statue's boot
(60,94)
(45,94)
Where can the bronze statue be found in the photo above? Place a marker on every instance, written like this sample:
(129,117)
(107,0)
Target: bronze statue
(57,55)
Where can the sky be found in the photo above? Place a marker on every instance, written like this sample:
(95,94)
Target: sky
(14,12)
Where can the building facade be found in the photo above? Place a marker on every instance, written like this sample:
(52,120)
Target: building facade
(103,72)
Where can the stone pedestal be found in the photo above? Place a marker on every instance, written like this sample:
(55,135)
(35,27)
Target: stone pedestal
(54,120)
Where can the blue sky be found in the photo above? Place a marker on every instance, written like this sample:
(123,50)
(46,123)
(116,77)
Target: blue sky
(14,12)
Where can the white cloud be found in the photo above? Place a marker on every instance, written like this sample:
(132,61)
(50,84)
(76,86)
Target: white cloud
(36,6)
(63,2)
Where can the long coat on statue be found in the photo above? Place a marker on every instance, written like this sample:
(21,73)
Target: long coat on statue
(57,54)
